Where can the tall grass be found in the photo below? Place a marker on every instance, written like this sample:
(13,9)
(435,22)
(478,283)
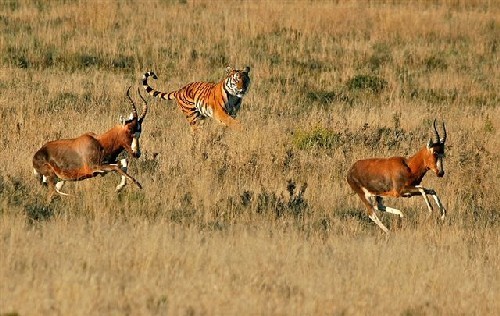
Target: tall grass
(259,221)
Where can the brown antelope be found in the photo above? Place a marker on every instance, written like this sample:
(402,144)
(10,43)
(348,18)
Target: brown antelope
(374,178)
(90,154)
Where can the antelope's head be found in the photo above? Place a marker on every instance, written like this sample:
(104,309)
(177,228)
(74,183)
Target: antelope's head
(132,127)
(237,81)
(434,160)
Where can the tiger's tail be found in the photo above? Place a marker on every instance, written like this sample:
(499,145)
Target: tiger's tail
(153,92)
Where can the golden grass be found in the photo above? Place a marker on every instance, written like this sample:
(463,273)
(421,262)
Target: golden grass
(222,226)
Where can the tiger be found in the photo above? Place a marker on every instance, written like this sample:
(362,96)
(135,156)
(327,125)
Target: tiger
(199,100)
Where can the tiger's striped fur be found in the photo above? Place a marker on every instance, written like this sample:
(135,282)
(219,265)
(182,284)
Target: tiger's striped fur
(199,100)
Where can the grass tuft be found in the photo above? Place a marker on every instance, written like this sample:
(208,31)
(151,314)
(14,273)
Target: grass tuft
(367,82)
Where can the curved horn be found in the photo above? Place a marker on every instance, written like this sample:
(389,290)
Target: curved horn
(436,131)
(134,110)
(144,108)
(442,140)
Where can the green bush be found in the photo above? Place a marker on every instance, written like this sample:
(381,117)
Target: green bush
(317,138)
(367,82)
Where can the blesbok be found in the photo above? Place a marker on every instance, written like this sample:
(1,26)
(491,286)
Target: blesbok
(90,154)
(374,178)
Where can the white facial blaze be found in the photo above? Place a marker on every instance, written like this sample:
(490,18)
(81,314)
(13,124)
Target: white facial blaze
(439,164)
(134,145)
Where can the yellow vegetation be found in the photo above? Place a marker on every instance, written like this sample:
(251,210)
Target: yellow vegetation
(257,221)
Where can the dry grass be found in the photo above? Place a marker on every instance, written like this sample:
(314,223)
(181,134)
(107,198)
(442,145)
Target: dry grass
(226,224)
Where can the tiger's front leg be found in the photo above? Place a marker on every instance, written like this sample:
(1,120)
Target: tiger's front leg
(226,119)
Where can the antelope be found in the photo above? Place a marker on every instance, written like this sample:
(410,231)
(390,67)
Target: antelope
(375,178)
(90,154)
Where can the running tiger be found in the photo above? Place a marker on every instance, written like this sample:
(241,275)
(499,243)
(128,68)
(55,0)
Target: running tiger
(199,100)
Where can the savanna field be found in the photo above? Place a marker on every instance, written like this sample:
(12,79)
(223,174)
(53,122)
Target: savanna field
(257,221)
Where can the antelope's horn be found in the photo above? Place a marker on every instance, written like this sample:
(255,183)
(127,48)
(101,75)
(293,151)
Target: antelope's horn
(442,140)
(435,130)
(144,108)
(134,110)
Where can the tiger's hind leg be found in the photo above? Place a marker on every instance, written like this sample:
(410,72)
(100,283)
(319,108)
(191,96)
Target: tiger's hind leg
(195,120)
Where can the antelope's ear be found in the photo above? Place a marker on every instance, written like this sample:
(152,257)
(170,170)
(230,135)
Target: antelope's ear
(429,144)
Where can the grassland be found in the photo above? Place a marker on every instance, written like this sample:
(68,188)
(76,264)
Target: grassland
(259,221)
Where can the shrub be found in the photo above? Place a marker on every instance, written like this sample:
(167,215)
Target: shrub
(294,205)
(367,82)
(435,63)
(123,62)
(317,138)
(36,212)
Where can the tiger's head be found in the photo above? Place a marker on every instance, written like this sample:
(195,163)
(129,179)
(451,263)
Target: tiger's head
(237,81)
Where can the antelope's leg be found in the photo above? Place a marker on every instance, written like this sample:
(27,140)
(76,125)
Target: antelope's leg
(51,181)
(124,167)
(58,188)
(424,193)
(377,221)
(367,198)
(381,207)
(439,204)
(114,167)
